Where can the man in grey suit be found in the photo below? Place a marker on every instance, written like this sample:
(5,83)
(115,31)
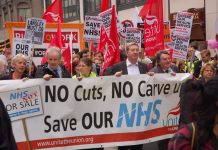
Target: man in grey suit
(164,65)
(130,66)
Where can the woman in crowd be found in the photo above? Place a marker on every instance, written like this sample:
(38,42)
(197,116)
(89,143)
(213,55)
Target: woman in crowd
(85,69)
(207,72)
(203,132)
(31,70)
(75,61)
(19,68)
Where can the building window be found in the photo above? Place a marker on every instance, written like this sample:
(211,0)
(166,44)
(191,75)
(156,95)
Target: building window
(47,3)
(1,22)
(24,11)
(92,7)
(126,4)
(70,10)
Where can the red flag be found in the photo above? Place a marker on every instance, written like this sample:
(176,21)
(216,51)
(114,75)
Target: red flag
(56,41)
(54,12)
(145,9)
(21,19)
(103,39)
(153,27)
(105,5)
(67,58)
(113,54)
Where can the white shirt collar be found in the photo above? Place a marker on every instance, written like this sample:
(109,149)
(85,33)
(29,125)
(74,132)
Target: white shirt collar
(128,63)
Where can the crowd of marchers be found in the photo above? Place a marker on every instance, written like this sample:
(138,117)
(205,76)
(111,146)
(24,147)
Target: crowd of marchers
(198,128)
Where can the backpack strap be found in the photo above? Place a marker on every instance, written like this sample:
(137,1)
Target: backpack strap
(193,131)
(193,135)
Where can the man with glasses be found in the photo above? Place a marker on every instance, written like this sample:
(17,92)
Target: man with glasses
(164,65)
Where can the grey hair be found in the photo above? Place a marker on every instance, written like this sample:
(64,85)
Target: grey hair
(18,57)
(130,44)
(54,49)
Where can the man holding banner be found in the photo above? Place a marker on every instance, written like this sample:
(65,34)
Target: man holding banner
(52,69)
(131,67)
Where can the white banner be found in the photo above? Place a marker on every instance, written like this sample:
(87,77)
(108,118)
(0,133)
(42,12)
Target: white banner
(92,28)
(22,46)
(106,111)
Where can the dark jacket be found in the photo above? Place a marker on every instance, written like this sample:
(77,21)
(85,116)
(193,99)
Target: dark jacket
(157,69)
(43,70)
(7,141)
(122,67)
(197,68)
(10,76)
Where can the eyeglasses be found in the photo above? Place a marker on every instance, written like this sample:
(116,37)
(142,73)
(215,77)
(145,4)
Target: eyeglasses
(82,66)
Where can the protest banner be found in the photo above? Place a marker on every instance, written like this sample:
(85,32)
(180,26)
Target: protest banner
(23,103)
(22,46)
(106,20)
(92,27)
(17,30)
(167,33)
(182,35)
(183,24)
(133,35)
(34,30)
(106,111)
(125,24)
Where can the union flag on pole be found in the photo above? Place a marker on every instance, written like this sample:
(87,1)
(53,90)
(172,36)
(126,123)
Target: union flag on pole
(103,39)
(152,13)
(105,4)
(113,53)
(54,12)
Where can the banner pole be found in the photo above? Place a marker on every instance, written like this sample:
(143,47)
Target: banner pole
(31,60)
(26,134)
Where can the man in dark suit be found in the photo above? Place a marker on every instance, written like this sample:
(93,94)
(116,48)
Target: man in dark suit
(130,66)
(53,68)
(7,141)
(205,58)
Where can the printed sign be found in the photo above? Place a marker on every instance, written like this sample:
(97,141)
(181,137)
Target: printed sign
(23,103)
(141,26)
(106,20)
(181,47)
(49,34)
(183,24)
(182,34)
(35,30)
(133,35)
(125,24)
(22,46)
(92,27)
